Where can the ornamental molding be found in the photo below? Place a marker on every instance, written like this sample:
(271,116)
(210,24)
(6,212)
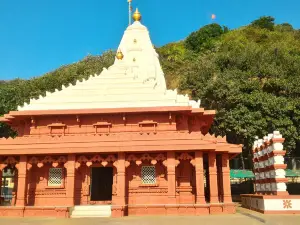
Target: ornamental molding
(2,166)
(96,159)
(40,162)
(10,160)
(146,157)
(185,156)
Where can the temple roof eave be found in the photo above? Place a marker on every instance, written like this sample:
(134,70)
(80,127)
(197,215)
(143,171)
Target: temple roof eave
(9,118)
(100,111)
(6,118)
(115,143)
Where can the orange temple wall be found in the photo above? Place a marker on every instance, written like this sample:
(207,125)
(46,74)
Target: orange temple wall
(191,166)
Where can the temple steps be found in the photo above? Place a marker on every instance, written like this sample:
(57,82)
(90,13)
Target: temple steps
(90,211)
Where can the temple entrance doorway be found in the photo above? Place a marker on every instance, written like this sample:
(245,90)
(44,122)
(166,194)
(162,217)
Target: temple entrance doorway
(101,184)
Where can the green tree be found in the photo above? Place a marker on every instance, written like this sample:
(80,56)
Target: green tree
(252,81)
(264,22)
(250,75)
(205,37)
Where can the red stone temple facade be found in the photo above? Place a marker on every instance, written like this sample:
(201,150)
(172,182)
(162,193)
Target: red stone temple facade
(120,140)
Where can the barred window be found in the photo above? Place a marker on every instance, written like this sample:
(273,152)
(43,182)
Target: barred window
(148,175)
(55,177)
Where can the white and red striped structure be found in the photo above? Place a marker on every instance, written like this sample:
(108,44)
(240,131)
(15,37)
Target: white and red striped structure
(271,194)
(269,167)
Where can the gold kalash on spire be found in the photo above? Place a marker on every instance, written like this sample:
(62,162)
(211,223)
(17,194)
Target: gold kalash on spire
(136,15)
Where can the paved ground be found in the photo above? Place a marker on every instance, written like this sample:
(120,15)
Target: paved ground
(242,217)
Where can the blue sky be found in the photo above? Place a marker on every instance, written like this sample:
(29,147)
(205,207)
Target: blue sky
(38,36)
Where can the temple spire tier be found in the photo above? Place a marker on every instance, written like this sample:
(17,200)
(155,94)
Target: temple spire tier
(136,79)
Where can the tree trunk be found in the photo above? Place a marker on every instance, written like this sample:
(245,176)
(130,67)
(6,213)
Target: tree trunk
(242,161)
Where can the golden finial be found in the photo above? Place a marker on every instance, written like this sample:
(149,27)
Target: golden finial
(119,55)
(136,15)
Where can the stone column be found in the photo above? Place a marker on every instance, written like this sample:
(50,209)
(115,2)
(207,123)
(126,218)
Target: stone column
(1,168)
(70,189)
(226,178)
(119,205)
(121,179)
(277,165)
(200,198)
(213,183)
(21,191)
(171,165)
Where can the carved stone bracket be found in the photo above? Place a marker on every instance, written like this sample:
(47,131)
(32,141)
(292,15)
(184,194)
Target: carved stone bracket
(96,159)
(55,162)
(53,126)
(148,123)
(146,157)
(185,156)
(2,166)
(102,124)
(132,158)
(10,160)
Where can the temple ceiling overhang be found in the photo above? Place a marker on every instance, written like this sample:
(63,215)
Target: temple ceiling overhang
(116,143)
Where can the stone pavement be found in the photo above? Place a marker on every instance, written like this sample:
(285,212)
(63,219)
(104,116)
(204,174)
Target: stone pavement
(242,217)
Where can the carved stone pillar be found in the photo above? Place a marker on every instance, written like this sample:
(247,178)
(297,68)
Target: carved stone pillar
(121,179)
(200,198)
(213,183)
(171,164)
(119,204)
(1,169)
(21,191)
(70,189)
(226,178)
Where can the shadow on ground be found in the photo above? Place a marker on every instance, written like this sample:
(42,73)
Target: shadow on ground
(242,217)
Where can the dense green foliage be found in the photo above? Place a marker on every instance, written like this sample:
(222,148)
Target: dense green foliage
(204,38)
(250,75)
(265,22)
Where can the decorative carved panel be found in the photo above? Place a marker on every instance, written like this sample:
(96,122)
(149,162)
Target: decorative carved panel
(10,160)
(185,156)
(96,159)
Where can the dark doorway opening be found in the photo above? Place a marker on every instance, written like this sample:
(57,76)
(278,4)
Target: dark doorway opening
(102,180)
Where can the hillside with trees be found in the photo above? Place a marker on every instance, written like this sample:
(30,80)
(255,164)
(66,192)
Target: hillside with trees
(250,75)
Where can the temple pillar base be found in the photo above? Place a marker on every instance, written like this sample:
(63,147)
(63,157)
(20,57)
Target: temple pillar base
(31,211)
(215,208)
(118,211)
(181,209)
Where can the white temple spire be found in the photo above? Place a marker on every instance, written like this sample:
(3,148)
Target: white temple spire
(136,79)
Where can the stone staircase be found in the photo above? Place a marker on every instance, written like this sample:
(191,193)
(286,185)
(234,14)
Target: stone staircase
(90,211)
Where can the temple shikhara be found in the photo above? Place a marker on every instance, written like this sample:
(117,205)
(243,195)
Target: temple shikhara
(116,144)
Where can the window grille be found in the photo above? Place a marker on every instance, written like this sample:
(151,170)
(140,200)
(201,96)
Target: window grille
(148,175)
(55,177)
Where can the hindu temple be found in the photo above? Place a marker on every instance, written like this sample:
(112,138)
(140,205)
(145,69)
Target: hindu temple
(118,143)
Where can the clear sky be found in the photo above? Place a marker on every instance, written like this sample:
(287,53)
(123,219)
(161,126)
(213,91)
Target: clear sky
(37,36)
